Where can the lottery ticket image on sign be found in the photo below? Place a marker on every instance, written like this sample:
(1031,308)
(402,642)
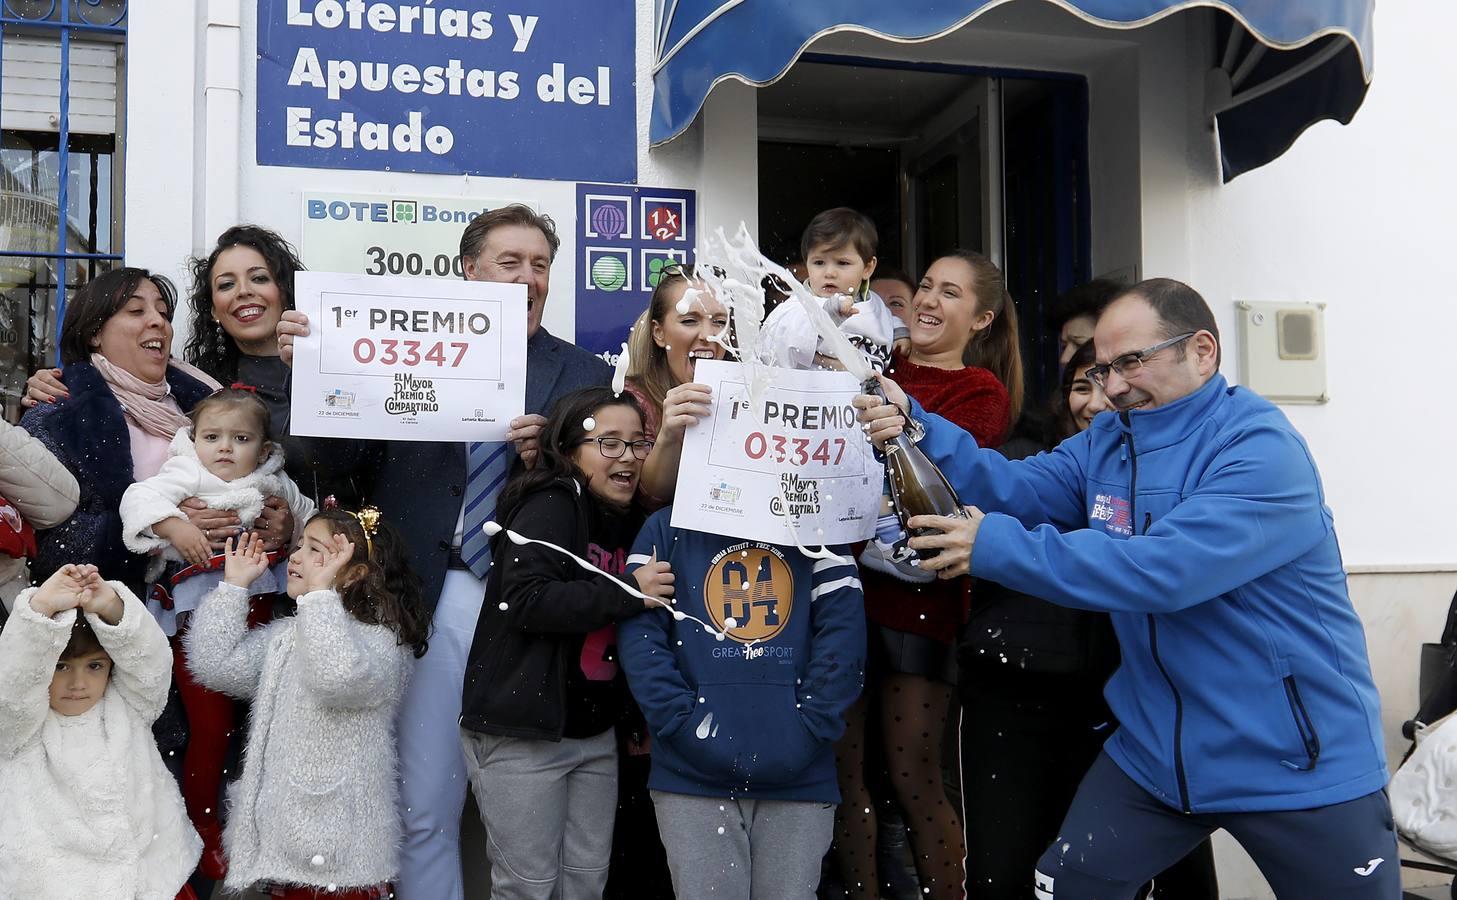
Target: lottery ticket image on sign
(789,463)
(414,359)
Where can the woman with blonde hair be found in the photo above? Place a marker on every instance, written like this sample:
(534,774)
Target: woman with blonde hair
(666,342)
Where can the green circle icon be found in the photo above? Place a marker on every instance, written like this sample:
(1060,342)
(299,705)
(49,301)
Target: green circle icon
(609,274)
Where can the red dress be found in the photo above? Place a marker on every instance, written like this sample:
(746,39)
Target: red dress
(974,399)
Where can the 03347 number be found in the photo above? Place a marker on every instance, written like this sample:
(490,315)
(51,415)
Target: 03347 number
(391,352)
(794,451)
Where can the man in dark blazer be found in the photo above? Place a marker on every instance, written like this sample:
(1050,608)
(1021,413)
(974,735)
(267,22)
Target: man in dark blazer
(420,487)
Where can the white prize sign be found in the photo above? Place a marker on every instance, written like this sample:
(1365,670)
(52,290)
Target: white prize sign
(797,454)
(408,358)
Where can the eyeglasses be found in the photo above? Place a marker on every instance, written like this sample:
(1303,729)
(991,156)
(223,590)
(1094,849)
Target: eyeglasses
(613,448)
(1130,364)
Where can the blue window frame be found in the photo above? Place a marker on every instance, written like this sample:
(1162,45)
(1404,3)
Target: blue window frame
(57,191)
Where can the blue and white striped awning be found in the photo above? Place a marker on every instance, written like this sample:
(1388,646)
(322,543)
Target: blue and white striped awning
(1286,64)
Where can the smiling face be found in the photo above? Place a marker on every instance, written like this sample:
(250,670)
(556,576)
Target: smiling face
(837,270)
(516,254)
(1129,325)
(246,300)
(897,295)
(229,441)
(79,682)
(944,312)
(138,336)
(1084,400)
(684,336)
(614,481)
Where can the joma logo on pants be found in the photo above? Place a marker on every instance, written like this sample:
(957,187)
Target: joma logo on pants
(1042,886)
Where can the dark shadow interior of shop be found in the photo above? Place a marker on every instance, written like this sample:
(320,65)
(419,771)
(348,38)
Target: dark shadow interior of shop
(939,157)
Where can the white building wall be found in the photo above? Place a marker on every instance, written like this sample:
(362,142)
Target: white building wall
(1355,217)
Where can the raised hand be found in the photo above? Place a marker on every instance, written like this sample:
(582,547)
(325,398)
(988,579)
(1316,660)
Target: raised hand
(684,405)
(655,579)
(243,563)
(322,570)
(292,324)
(60,592)
(98,597)
(525,433)
(883,421)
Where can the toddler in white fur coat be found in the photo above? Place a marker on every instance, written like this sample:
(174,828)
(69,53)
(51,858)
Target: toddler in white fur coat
(227,460)
(314,809)
(91,811)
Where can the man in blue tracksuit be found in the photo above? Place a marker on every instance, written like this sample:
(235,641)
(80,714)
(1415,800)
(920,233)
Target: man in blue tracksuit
(1195,516)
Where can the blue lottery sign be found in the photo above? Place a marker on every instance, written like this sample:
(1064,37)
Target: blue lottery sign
(626,236)
(536,89)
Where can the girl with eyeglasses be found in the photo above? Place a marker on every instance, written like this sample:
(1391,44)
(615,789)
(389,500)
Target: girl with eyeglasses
(543,694)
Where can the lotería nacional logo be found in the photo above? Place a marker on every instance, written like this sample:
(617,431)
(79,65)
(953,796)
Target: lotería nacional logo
(750,583)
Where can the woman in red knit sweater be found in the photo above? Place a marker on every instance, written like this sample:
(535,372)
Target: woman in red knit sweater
(965,366)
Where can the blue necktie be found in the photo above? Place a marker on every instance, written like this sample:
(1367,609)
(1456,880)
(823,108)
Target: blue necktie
(488,463)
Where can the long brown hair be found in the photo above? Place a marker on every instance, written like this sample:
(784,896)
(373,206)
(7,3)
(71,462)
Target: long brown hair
(649,369)
(996,347)
(388,592)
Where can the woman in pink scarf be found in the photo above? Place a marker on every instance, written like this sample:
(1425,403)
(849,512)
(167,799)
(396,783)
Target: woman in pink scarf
(127,399)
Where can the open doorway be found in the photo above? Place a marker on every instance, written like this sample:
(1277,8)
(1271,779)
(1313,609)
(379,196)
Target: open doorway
(940,157)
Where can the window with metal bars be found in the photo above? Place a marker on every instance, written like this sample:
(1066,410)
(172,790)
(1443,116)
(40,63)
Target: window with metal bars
(61,137)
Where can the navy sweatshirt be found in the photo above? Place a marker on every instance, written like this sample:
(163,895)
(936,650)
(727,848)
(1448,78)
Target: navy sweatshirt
(756,715)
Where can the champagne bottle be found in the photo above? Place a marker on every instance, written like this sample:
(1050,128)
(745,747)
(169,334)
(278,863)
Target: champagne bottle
(917,486)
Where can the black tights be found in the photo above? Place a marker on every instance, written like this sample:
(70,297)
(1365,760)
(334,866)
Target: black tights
(913,711)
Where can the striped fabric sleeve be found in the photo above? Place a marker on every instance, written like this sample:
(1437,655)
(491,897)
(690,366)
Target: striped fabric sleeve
(836,670)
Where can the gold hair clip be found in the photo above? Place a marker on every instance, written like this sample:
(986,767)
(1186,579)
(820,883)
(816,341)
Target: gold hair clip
(368,519)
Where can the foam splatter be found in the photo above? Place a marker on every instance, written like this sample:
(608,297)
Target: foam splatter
(494,528)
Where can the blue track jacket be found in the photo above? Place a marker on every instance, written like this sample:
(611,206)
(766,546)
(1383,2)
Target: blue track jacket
(756,715)
(1202,527)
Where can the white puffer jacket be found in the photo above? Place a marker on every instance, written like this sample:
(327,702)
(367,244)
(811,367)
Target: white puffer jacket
(183,475)
(90,810)
(1424,790)
(44,491)
(316,802)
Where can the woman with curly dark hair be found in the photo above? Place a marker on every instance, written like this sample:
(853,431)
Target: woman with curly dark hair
(239,291)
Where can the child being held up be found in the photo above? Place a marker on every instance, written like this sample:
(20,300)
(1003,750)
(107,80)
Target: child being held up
(839,253)
(227,458)
(313,814)
(91,811)
(744,722)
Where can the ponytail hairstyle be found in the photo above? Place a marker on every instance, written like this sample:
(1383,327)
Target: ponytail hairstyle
(381,589)
(996,347)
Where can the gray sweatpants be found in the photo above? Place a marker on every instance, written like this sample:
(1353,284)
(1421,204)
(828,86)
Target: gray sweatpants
(744,849)
(548,808)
